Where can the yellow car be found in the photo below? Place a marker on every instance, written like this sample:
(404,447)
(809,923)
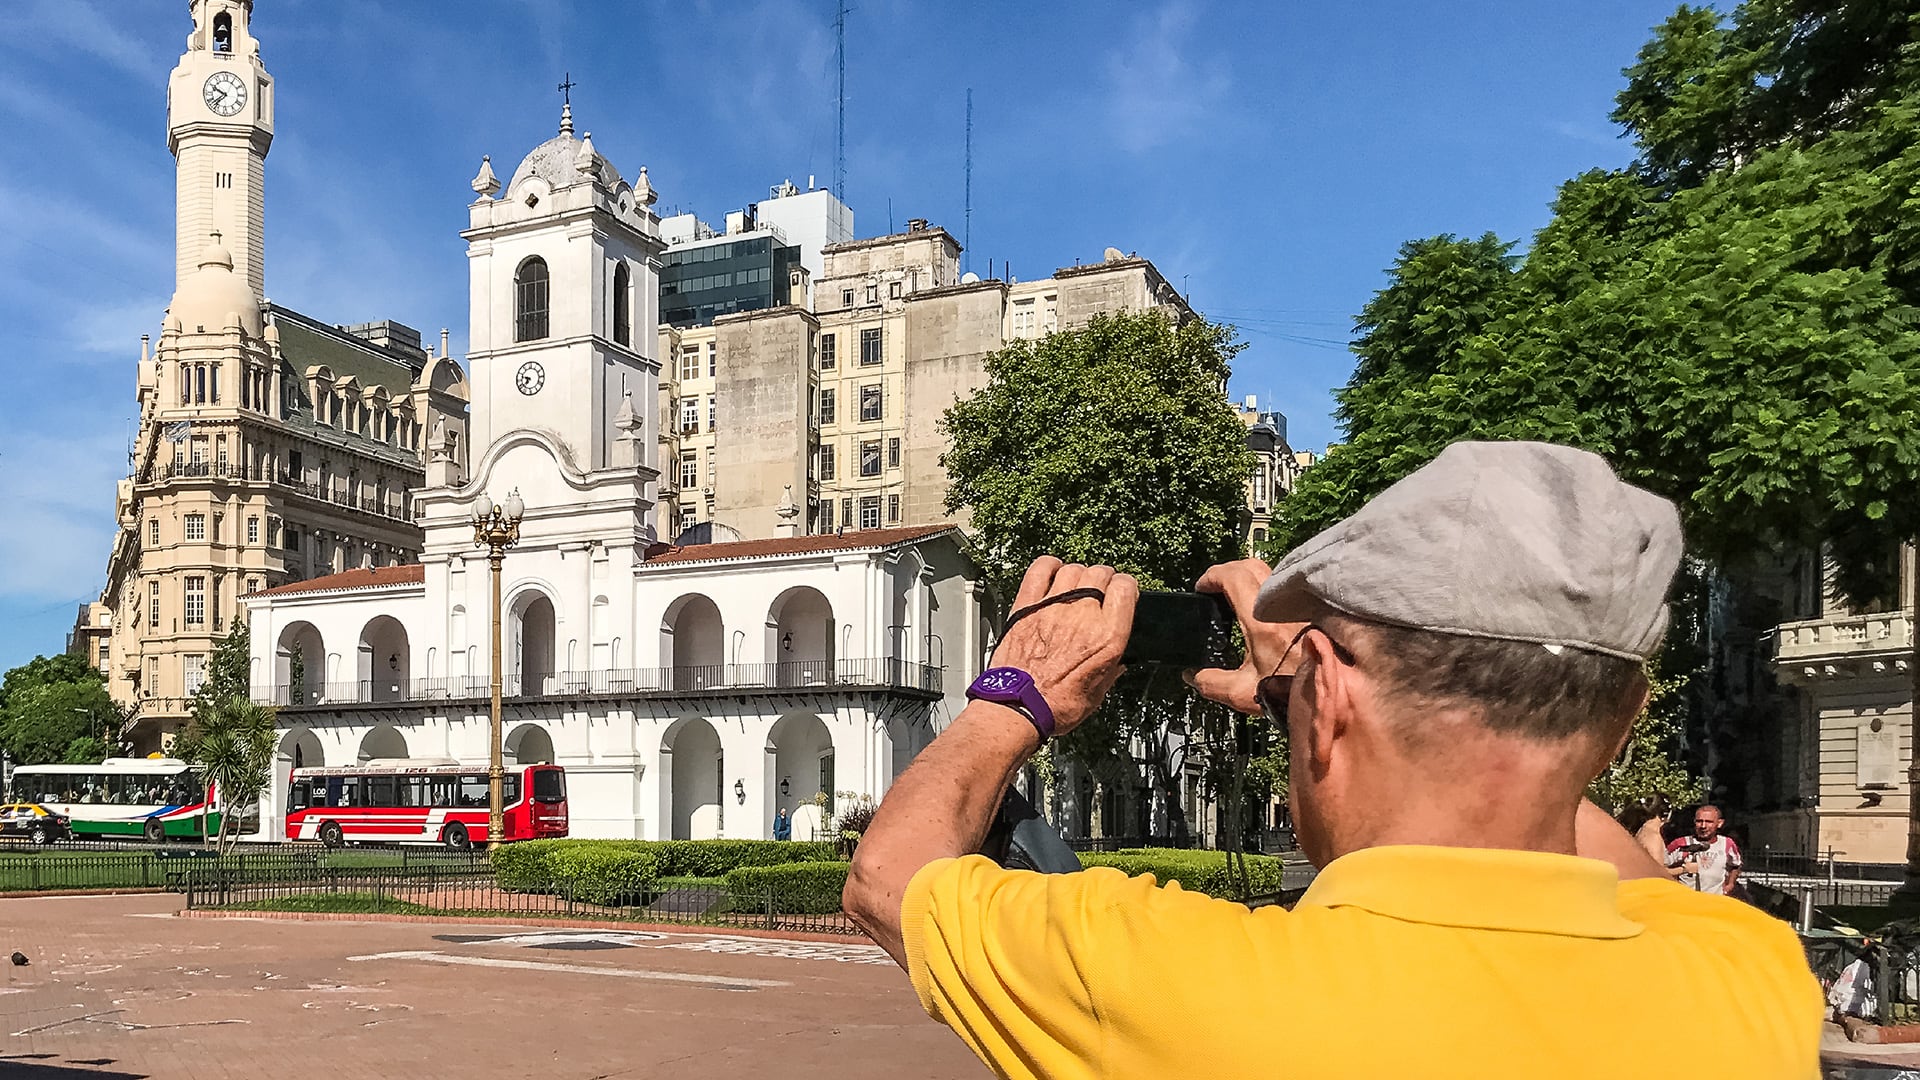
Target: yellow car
(35,822)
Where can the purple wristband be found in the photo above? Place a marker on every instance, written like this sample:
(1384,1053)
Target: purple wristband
(1014,688)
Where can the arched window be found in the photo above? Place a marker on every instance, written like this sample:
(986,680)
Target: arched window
(622,310)
(223,32)
(530,300)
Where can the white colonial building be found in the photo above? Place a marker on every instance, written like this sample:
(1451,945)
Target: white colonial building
(689,691)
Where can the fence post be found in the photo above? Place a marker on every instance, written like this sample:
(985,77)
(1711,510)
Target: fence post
(36,872)
(769,907)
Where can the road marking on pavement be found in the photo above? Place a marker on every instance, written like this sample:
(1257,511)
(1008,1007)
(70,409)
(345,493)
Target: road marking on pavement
(718,982)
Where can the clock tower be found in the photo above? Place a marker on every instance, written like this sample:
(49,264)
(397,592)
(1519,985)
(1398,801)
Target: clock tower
(219,126)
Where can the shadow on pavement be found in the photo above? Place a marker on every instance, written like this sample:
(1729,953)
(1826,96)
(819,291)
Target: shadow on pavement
(49,1067)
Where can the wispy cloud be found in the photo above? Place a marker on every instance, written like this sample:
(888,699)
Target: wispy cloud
(1587,132)
(1161,88)
(82,25)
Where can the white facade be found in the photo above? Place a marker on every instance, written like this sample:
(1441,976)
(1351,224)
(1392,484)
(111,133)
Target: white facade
(689,692)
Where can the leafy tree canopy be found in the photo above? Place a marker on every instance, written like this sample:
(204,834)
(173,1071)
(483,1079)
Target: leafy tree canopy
(1112,443)
(53,709)
(1732,323)
(229,671)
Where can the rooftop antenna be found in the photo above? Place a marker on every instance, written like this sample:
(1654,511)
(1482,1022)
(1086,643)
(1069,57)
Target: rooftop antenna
(840,127)
(966,231)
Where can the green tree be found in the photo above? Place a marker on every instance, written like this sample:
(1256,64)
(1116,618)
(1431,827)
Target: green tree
(56,709)
(1732,322)
(232,742)
(1111,443)
(229,671)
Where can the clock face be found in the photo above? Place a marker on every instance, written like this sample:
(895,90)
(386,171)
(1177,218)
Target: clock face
(225,94)
(530,378)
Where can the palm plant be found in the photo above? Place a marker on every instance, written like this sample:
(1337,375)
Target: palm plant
(232,742)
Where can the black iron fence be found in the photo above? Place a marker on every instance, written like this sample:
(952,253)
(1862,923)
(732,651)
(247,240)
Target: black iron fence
(472,890)
(68,869)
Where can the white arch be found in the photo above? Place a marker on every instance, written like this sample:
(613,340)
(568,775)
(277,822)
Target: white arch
(383,741)
(529,744)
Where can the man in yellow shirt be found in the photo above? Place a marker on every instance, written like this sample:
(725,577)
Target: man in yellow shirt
(1453,664)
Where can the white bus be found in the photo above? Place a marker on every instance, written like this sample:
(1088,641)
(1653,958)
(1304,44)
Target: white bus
(155,798)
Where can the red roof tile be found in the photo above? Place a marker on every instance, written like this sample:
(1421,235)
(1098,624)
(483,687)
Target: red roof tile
(853,540)
(408,574)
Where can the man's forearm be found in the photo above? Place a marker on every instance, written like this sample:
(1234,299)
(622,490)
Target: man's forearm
(941,807)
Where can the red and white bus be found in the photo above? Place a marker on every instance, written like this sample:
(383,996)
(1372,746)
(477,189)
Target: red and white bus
(436,801)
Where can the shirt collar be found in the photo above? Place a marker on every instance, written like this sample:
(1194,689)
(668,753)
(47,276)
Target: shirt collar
(1480,888)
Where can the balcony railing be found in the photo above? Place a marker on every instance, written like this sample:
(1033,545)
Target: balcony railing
(784,677)
(1843,638)
(394,508)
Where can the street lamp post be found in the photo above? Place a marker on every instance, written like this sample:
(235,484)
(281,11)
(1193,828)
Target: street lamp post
(496,528)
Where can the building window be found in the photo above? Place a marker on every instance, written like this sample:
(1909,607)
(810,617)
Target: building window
(194,673)
(689,362)
(826,408)
(893,509)
(293,538)
(873,294)
(827,468)
(893,453)
(713,359)
(153,603)
(1259,484)
(689,468)
(829,355)
(622,305)
(870,347)
(153,675)
(712,403)
(870,403)
(689,415)
(196,600)
(253,585)
(1023,319)
(846,297)
(1050,315)
(153,532)
(530,300)
(196,526)
(826,515)
(1259,535)
(846,513)
(870,512)
(893,290)
(870,458)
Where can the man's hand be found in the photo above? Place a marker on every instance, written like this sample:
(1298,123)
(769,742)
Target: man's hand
(1267,642)
(1071,649)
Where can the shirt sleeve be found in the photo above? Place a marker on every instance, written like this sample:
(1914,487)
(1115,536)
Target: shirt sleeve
(1016,962)
(1676,852)
(1733,855)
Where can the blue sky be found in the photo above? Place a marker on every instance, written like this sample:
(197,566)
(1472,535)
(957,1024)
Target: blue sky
(1268,157)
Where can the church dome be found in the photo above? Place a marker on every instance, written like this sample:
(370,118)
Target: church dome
(214,296)
(554,161)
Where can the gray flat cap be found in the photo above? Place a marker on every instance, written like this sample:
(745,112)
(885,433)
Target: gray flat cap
(1519,541)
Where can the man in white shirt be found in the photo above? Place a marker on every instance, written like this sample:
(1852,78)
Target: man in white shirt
(1706,861)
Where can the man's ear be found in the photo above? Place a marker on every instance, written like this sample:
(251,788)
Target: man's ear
(1332,698)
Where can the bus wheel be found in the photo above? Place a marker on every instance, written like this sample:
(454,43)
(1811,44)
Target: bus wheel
(154,831)
(330,834)
(455,836)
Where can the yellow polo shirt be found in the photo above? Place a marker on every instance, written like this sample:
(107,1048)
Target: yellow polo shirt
(1398,962)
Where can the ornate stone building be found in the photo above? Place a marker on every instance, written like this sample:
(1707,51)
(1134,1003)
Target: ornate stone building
(271,447)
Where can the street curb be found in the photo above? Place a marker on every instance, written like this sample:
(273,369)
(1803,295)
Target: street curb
(1860,1031)
(504,920)
(135,891)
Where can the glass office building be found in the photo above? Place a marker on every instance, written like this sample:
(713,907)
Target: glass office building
(700,283)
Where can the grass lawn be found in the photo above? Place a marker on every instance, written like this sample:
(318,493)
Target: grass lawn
(350,903)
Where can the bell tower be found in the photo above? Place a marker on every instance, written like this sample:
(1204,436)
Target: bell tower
(219,126)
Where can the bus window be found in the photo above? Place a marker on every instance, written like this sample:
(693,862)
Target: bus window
(446,791)
(549,786)
(473,791)
(300,796)
(509,790)
(350,792)
(378,789)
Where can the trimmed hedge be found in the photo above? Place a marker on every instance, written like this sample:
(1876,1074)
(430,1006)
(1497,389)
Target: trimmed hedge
(804,888)
(527,866)
(1196,871)
(604,876)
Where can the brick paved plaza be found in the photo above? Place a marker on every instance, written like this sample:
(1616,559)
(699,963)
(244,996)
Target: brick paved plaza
(121,986)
